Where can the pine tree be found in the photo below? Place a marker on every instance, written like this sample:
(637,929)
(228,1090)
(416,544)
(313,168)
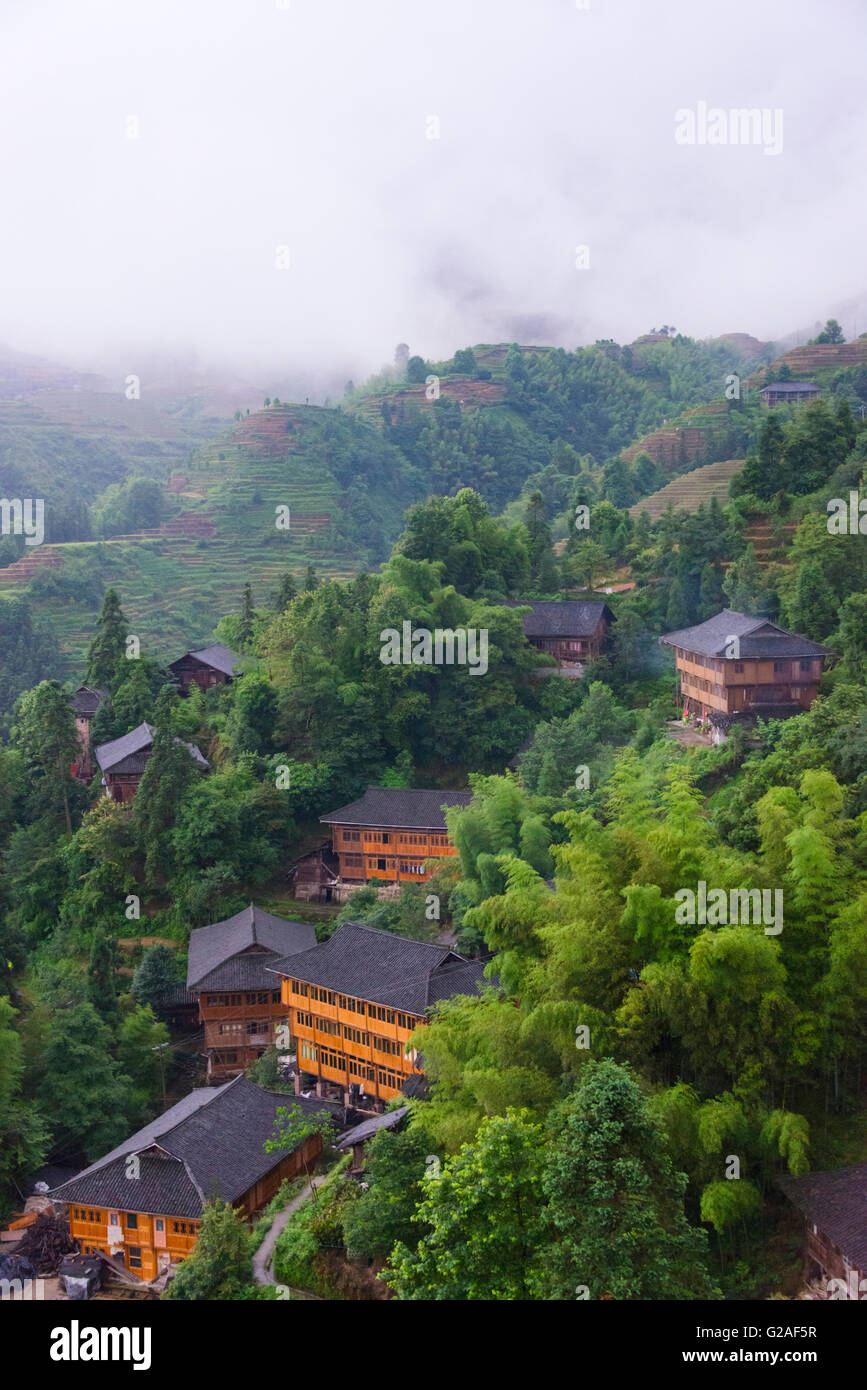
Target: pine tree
(676,612)
(109,643)
(168,773)
(44,731)
(82,1088)
(287,590)
(710,594)
(813,608)
(248,613)
(102,968)
(157,974)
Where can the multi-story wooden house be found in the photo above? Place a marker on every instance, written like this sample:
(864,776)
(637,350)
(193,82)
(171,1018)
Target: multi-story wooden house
(86,700)
(142,1203)
(570,632)
(387,834)
(209,666)
(734,664)
(355,1000)
(835,1236)
(239,999)
(122,761)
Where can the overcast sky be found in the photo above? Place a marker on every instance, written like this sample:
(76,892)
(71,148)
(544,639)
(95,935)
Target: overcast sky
(306,125)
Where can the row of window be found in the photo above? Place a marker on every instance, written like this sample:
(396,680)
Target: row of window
(345,1030)
(358,861)
(693,683)
(225,1001)
(781,668)
(388,837)
(358,1006)
(252,1026)
(357,1067)
(130,1220)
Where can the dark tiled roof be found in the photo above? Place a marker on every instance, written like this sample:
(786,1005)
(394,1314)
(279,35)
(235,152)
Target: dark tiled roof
(457,977)
(368,1128)
(399,807)
(759,638)
(129,753)
(370,964)
(216,656)
(172,998)
(567,619)
(385,969)
(790,386)
(212,1145)
(215,960)
(163,1186)
(835,1202)
(87,699)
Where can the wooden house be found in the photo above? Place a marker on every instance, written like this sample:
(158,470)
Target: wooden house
(86,700)
(570,632)
(209,666)
(123,760)
(353,1003)
(387,834)
(788,392)
(734,665)
(142,1203)
(315,876)
(835,1236)
(239,1000)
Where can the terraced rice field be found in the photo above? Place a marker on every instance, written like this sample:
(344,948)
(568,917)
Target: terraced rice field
(688,491)
(176,581)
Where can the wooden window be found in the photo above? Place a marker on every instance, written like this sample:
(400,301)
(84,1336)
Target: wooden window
(806,665)
(135,1257)
(132,1220)
(781,667)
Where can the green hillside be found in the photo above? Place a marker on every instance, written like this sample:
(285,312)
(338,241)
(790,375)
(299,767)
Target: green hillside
(346,492)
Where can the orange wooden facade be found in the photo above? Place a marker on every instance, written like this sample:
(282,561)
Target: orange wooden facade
(149,1241)
(718,683)
(350,1041)
(388,854)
